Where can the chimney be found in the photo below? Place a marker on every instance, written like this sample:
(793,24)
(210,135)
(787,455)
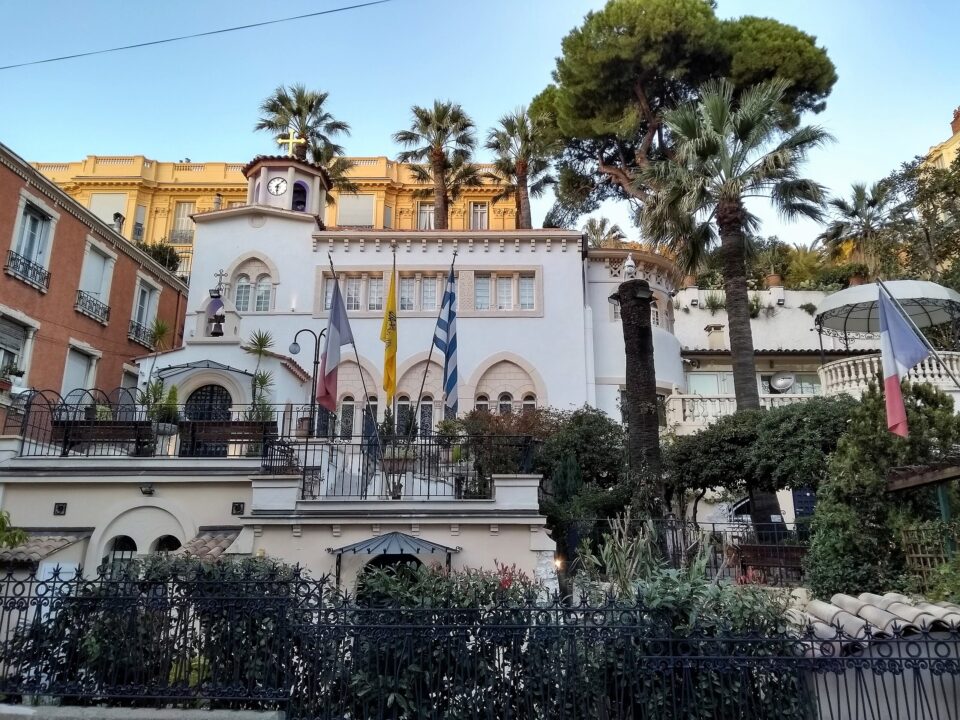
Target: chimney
(955,123)
(716,340)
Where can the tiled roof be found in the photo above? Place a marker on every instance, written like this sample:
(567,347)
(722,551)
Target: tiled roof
(287,159)
(37,547)
(875,617)
(210,544)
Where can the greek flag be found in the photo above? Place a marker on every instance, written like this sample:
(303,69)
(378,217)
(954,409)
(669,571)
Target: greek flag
(445,338)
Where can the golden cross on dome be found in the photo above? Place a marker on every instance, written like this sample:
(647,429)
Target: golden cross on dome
(291,141)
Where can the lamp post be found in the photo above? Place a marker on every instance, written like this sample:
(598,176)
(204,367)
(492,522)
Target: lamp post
(294,350)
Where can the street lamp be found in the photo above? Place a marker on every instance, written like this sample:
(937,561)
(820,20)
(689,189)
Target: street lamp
(294,350)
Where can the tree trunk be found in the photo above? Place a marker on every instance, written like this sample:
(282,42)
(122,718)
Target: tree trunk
(524,219)
(738,309)
(643,427)
(763,505)
(300,151)
(437,163)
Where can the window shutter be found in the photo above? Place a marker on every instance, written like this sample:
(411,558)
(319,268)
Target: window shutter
(355,210)
(75,375)
(12,335)
(94,269)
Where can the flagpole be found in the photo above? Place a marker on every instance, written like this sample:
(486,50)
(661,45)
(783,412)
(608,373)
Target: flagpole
(426,370)
(363,383)
(923,338)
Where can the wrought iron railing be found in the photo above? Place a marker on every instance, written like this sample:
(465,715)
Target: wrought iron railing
(137,234)
(19,266)
(89,304)
(181,237)
(140,334)
(281,640)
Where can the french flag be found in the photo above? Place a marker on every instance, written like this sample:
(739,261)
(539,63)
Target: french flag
(900,350)
(338,335)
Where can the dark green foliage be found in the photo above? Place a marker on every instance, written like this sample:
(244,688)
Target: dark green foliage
(809,308)
(163,253)
(856,543)
(629,62)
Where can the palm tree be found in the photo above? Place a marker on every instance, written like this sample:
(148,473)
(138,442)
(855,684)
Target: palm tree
(602,233)
(337,166)
(726,152)
(301,111)
(523,161)
(859,225)
(458,175)
(442,140)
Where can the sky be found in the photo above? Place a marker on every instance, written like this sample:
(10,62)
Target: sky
(898,81)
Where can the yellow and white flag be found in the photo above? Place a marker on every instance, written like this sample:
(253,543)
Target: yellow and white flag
(388,333)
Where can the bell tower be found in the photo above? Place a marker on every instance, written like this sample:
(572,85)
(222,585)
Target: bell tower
(287,183)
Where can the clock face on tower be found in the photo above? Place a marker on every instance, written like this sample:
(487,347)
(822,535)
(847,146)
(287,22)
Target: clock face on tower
(277,186)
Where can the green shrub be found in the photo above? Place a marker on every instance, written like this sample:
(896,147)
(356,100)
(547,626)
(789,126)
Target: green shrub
(163,253)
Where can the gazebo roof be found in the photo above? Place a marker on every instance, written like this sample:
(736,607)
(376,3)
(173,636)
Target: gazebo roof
(394,543)
(854,310)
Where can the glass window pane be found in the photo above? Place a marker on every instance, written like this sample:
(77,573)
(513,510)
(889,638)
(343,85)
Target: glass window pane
(481,292)
(328,292)
(504,293)
(263,295)
(703,384)
(346,418)
(526,292)
(353,293)
(478,216)
(425,216)
(375,294)
(426,417)
(406,293)
(429,293)
(654,315)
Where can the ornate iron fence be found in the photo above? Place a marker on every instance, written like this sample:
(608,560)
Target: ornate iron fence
(286,641)
(27,270)
(89,304)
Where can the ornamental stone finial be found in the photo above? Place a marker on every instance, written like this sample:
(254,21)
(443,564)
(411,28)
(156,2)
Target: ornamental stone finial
(630,268)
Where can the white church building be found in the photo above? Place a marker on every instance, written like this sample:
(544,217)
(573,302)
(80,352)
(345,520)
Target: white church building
(535,328)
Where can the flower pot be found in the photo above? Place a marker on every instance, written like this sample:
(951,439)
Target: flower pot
(773,280)
(5,384)
(398,465)
(856,280)
(689,281)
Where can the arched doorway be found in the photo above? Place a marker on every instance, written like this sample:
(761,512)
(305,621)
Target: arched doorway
(206,405)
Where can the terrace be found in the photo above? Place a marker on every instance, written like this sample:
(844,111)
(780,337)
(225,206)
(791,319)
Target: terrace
(266,440)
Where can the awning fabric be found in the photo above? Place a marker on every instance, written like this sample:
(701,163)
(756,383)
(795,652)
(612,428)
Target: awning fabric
(394,543)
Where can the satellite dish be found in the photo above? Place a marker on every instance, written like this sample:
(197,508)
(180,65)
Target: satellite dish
(782,381)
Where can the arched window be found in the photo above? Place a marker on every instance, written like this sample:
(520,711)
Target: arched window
(529,402)
(482,403)
(166,544)
(404,415)
(346,417)
(370,417)
(264,289)
(120,551)
(505,404)
(654,314)
(300,196)
(241,293)
(426,416)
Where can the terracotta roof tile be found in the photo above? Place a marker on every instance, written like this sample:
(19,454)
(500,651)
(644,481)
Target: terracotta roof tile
(871,616)
(37,547)
(210,544)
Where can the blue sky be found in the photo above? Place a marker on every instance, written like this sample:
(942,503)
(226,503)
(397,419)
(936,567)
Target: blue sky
(198,98)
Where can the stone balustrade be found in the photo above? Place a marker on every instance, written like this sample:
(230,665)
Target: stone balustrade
(688,413)
(852,375)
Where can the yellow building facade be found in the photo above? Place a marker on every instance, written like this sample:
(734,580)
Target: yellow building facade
(157,199)
(942,155)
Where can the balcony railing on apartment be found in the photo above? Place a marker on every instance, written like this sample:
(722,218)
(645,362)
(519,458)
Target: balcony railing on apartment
(92,424)
(181,237)
(28,271)
(185,265)
(140,334)
(89,304)
(697,411)
(853,375)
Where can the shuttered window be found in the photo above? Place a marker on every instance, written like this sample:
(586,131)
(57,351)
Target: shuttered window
(94,274)
(12,339)
(77,372)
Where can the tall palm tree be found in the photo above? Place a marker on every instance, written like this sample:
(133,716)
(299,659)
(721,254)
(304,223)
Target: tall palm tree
(337,166)
(523,161)
(456,176)
(725,153)
(603,234)
(440,139)
(859,225)
(303,112)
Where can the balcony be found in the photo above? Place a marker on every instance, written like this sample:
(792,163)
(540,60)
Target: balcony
(181,237)
(30,272)
(271,438)
(852,375)
(687,414)
(89,305)
(140,334)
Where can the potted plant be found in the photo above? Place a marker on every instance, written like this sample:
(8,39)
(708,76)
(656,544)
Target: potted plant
(857,274)
(6,376)
(773,261)
(166,414)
